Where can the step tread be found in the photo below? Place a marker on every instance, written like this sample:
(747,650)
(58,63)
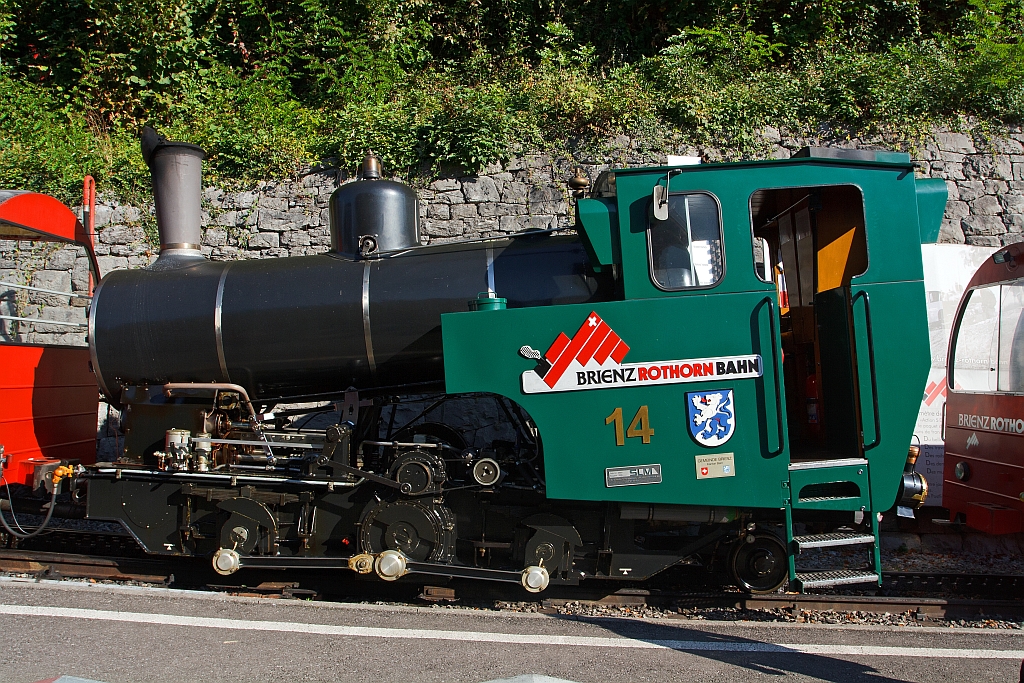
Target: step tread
(833,539)
(821,464)
(835,577)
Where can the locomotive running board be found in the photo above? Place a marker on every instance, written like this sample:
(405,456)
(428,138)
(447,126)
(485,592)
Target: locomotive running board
(427,568)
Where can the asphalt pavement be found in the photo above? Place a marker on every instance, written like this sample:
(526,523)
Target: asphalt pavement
(121,634)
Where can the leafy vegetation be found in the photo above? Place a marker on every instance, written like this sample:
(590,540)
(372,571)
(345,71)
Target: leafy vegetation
(267,87)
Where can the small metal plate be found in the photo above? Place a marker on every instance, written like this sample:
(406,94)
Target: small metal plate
(714,466)
(632,476)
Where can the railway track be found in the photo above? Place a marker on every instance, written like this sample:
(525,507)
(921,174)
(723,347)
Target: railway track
(928,595)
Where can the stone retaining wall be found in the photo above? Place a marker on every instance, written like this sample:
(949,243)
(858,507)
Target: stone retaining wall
(985,178)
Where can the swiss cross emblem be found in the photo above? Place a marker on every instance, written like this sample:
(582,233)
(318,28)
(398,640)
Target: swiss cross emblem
(703,471)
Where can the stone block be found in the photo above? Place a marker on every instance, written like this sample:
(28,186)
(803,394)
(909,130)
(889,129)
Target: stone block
(510,209)
(1006,146)
(464,211)
(982,225)
(121,234)
(544,193)
(270,203)
(439,211)
(215,237)
(453,228)
(126,214)
(1013,202)
(62,259)
(986,205)
(265,240)
(970,190)
(50,279)
(556,208)
(213,195)
(484,225)
(519,223)
(986,167)
(451,197)
(954,142)
(952,190)
(109,263)
(102,215)
(225,253)
(296,238)
(240,200)
(996,186)
(480,189)
(80,275)
(120,250)
(227,219)
(444,185)
(957,209)
(1018,171)
(1014,223)
(515,193)
(278,221)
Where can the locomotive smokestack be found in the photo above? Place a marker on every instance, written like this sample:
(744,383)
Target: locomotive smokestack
(177,170)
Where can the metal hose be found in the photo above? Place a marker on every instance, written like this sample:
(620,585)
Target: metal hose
(41,528)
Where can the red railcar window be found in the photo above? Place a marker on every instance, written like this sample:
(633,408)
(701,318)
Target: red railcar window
(976,349)
(1011,337)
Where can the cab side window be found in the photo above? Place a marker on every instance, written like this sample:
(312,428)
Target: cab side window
(686,250)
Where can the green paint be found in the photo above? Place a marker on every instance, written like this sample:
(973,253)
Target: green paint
(738,316)
(931,205)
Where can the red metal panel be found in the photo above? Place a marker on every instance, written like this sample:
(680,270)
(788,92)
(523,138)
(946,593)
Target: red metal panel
(49,398)
(993,519)
(34,216)
(986,432)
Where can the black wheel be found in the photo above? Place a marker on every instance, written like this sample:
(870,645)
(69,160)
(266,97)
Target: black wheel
(758,563)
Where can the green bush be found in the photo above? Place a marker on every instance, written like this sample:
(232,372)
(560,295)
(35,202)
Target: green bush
(270,87)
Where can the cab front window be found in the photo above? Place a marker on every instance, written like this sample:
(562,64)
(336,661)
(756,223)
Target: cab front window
(686,249)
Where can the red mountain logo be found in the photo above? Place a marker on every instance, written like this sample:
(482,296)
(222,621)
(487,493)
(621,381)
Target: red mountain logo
(594,340)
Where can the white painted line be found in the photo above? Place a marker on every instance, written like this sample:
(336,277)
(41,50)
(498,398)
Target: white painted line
(505,638)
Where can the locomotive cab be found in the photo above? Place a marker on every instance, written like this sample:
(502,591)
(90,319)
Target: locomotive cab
(771,344)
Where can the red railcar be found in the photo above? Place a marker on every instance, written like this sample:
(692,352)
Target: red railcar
(983,475)
(48,394)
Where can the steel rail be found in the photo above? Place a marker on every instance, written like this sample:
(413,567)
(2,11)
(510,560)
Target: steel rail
(162,571)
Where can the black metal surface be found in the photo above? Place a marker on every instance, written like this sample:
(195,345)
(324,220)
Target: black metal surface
(295,326)
(385,210)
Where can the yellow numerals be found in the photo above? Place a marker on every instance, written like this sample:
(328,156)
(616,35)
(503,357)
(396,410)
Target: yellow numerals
(639,427)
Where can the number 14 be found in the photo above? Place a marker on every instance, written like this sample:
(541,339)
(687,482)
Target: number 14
(639,427)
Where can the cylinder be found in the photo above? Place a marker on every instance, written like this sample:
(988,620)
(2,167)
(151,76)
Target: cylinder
(313,325)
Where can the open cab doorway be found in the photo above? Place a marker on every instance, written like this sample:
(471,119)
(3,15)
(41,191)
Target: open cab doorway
(812,242)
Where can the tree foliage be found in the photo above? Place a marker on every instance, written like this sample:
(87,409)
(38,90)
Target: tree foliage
(268,86)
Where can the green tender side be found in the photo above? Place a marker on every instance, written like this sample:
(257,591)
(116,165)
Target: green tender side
(736,317)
